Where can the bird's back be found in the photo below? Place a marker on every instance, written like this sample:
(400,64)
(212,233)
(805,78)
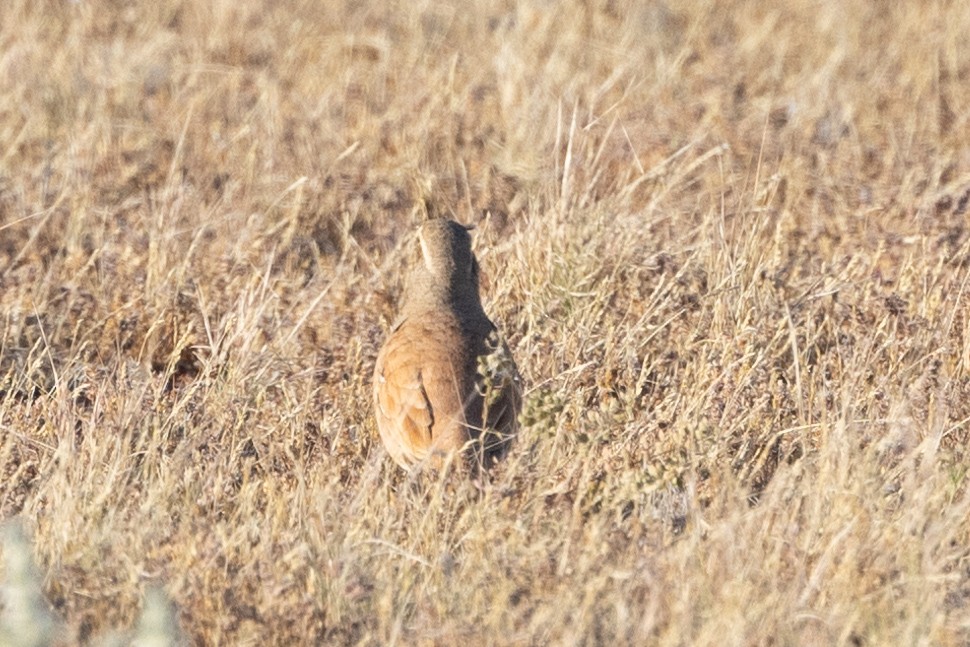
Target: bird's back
(422,382)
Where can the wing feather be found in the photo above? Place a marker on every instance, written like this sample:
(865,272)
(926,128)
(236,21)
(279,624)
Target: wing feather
(404,413)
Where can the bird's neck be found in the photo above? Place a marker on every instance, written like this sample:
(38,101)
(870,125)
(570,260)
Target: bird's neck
(423,296)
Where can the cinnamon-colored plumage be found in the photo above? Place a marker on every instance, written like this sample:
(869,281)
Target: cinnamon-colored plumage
(445,381)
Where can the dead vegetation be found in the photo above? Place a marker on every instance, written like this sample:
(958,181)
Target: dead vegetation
(728,243)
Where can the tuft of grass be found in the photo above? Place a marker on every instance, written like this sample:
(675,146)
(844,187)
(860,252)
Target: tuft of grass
(727,242)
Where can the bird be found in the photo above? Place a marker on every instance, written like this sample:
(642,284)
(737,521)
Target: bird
(445,382)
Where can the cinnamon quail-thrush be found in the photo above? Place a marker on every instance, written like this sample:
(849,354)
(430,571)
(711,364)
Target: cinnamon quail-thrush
(445,382)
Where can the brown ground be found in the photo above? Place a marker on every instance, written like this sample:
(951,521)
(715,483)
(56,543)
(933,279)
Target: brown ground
(728,244)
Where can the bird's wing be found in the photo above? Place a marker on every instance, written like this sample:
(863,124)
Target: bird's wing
(404,413)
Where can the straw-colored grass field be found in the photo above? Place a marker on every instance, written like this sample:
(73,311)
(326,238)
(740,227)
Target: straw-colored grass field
(728,244)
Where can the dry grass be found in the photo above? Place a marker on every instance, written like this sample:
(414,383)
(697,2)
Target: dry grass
(728,243)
